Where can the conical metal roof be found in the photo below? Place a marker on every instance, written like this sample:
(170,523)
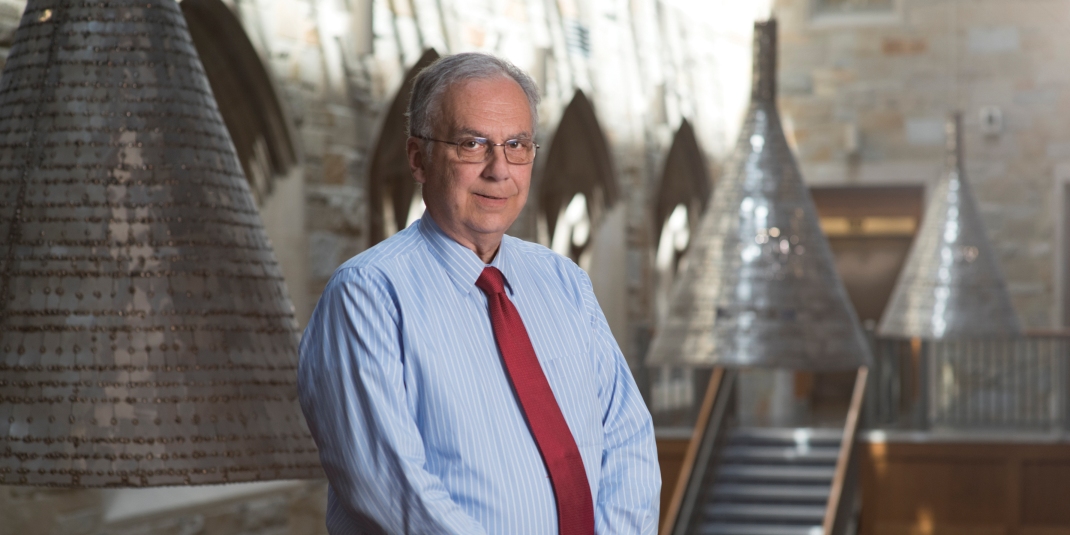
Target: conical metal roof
(951,284)
(761,287)
(146,337)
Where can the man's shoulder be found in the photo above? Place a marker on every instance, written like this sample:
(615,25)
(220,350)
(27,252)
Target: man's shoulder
(541,259)
(384,256)
(532,252)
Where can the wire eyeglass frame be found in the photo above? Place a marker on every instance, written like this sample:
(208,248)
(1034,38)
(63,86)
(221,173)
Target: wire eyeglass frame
(514,149)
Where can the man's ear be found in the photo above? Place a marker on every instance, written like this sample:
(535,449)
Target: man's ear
(417,161)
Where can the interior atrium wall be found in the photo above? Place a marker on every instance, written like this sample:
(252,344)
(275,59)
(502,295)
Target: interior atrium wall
(866,92)
(631,70)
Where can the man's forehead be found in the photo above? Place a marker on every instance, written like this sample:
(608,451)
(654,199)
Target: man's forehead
(472,85)
(471,94)
(457,129)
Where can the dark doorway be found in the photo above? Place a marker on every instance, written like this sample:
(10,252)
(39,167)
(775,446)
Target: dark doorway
(870,230)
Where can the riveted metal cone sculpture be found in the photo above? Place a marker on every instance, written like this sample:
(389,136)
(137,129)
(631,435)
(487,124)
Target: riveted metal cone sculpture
(760,287)
(146,334)
(951,284)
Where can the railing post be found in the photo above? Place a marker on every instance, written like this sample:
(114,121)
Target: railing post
(1059,382)
(923,370)
(874,409)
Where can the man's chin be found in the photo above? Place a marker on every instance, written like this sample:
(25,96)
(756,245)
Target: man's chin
(491,225)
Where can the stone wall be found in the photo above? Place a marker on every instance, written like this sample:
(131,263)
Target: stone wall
(866,93)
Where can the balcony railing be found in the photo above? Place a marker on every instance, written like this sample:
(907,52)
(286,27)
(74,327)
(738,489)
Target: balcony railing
(989,384)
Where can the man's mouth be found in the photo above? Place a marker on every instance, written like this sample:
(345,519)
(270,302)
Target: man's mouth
(491,197)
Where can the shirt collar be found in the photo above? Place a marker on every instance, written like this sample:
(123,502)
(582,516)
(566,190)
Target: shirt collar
(460,262)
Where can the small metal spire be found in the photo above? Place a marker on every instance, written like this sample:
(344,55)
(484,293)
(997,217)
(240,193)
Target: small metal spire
(951,284)
(764,61)
(146,336)
(761,287)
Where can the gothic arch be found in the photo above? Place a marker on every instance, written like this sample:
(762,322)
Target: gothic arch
(685,182)
(390,183)
(578,161)
(685,179)
(245,93)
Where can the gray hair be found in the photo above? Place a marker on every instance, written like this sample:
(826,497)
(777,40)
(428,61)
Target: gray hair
(431,84)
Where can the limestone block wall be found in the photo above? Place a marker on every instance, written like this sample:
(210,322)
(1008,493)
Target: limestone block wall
(865,94)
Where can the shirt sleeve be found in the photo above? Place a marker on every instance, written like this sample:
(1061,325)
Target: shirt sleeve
(352,391)
(629,492)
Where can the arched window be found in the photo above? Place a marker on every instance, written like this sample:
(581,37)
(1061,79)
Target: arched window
(394,200)
(577,214)
(682,195)
(573,231)
(576,182)
(674,241)
(245,94)
(262,134)
(683,191)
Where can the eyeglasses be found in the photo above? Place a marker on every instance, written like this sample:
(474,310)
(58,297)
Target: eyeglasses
(477,149)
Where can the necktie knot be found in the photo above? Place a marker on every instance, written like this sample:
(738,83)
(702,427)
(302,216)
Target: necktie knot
(491,281)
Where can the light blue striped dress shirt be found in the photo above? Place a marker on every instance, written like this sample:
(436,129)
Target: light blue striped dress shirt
(418,427)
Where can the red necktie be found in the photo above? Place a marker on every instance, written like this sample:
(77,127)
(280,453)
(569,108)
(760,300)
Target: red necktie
(575,510)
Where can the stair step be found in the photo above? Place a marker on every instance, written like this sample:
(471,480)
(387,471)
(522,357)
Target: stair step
(774,436)
(766,513)
(774,454)
(724,528)
(738,492)
(774,473)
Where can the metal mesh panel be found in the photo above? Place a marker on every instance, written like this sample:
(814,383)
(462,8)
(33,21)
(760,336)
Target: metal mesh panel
(760,287)
(951,285)
(145,329)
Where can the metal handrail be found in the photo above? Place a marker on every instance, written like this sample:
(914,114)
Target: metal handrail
(838,509)
(711,419)
(692,451)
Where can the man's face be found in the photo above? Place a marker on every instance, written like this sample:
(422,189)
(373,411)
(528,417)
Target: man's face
(475,202)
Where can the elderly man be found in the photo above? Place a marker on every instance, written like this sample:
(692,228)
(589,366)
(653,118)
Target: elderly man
(458,380)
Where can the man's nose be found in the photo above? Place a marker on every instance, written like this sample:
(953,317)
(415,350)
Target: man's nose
(498,167)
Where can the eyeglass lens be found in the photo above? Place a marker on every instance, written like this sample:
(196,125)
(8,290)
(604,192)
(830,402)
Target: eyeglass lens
(478,150)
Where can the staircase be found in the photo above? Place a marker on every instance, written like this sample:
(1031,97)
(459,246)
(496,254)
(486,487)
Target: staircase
(770,481)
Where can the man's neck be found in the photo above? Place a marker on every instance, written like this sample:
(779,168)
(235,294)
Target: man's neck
(484,246)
